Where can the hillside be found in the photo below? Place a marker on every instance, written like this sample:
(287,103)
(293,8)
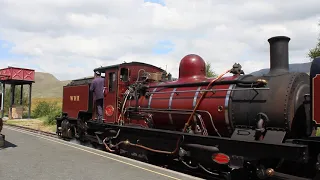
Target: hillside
(299,67)
(47,86)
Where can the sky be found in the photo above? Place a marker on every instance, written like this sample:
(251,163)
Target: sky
(69,38)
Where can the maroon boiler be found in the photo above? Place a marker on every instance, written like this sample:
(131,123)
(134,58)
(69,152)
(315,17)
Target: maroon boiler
(212,115)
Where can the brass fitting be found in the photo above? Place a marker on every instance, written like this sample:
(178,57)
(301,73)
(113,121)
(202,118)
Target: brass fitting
(262,81)
(270,172)
(126,142)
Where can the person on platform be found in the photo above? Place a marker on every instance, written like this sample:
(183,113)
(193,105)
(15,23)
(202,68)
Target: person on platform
(97,87)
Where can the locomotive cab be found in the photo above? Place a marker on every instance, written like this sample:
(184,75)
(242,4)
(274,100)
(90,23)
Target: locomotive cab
(118,78)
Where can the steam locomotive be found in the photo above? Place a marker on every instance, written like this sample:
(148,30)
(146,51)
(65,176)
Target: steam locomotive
(237,126)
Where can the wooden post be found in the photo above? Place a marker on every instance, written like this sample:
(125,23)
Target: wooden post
(13,88)
(21,95)
(4,93)
(30,89)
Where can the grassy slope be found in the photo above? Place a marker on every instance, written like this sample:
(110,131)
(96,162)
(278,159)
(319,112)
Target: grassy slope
(47,86)
(35,101)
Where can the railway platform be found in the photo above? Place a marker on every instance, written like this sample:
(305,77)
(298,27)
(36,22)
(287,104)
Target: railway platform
(32,156)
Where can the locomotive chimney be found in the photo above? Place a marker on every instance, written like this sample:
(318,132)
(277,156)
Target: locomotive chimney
(279,54)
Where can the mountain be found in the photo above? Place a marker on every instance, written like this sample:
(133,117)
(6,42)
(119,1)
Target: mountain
(298,67)
(47,86)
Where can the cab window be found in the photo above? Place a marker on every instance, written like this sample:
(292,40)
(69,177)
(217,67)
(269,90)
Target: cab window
(124,74)
(112,80)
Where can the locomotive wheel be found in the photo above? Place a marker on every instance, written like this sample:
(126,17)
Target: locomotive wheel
(81,128)
(157,159)
(94,144)
(298,125)
(67,130)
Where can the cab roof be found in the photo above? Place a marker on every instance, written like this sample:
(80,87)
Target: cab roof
(102,69)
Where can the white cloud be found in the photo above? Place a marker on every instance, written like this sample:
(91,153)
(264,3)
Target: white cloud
(69,38)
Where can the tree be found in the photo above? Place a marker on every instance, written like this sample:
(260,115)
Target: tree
(315,52)
(209,71)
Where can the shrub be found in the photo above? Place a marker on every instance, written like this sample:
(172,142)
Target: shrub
(318,132)
(50,119)
(47,110)
(25,115)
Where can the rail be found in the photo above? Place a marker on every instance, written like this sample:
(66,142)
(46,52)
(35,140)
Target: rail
(33,130)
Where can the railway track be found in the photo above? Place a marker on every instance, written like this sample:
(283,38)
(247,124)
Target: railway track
(33,130)
(174,167)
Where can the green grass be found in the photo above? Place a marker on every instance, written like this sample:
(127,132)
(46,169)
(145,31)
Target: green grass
(47,111)
(35,102)
(43,115)
(38,124)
